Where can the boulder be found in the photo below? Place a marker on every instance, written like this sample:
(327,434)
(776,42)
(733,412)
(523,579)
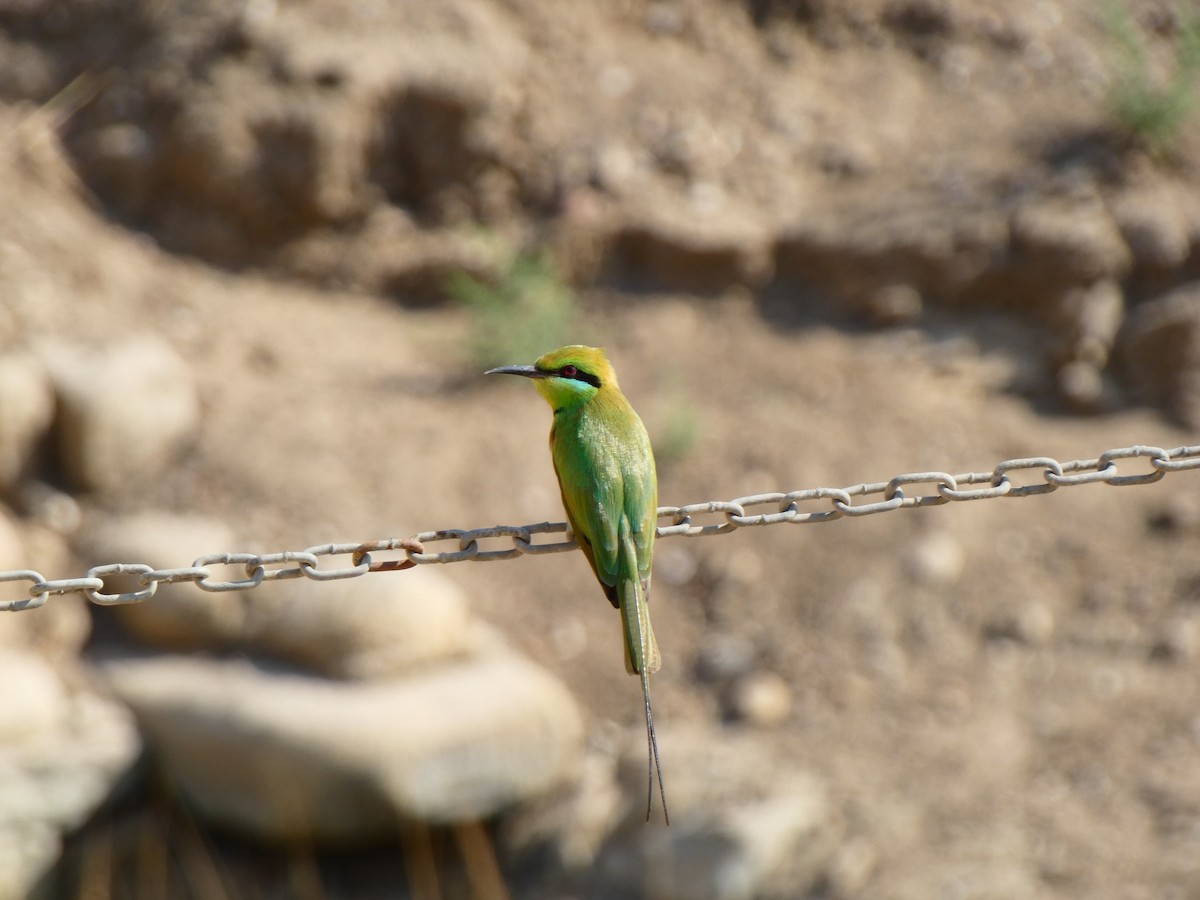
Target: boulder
(124,411)
(764,827)
(62,752)
(12,547)
(1156,222)
(1068,241)
(179,616)
(1158,351)
(60,628)
(28,404)
(671,244)
(286,756)
(374,625)
(368,627)
(745,822)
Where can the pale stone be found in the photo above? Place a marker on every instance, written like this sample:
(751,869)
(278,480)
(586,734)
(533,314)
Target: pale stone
(178,615)
(12,548)
(28,851)
(34,699)
(27,407)
(124,411)
(59,628)
(377,624)
(282,755)
(1090,319)
(1155,224)
(1074,240)
(1159,353)
(745,823)
(762,699)
(62,752)
(936,557)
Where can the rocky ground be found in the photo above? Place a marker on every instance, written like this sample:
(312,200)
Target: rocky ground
(824,243)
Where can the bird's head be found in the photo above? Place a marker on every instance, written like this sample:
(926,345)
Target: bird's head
(567,377)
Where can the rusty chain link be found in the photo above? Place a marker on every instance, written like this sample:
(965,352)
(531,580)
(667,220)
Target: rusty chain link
(939,488)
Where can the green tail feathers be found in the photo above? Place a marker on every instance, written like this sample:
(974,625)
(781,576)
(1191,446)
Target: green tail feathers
(641,649)
(640,645)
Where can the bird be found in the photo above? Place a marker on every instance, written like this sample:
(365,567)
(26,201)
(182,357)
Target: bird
(606,475)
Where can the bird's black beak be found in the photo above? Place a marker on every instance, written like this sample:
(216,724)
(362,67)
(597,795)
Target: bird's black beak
(527,371)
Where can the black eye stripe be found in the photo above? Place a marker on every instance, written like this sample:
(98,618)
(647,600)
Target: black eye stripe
(577,375)
(583,376)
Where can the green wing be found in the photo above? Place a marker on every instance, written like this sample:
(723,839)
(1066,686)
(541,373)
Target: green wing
(605,469)
(640,485)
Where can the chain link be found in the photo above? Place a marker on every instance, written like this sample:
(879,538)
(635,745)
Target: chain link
(716,517)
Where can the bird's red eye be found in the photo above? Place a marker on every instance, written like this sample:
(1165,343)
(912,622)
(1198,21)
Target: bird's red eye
(570,371)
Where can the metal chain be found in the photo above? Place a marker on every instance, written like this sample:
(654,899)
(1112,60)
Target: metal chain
(729,515)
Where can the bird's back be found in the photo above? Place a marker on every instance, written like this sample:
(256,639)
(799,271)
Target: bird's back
(606,471)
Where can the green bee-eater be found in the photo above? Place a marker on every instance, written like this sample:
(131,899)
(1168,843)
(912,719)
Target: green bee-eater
(606,474)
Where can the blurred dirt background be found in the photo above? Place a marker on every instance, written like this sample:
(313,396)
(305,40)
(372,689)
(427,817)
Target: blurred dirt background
(824,243)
